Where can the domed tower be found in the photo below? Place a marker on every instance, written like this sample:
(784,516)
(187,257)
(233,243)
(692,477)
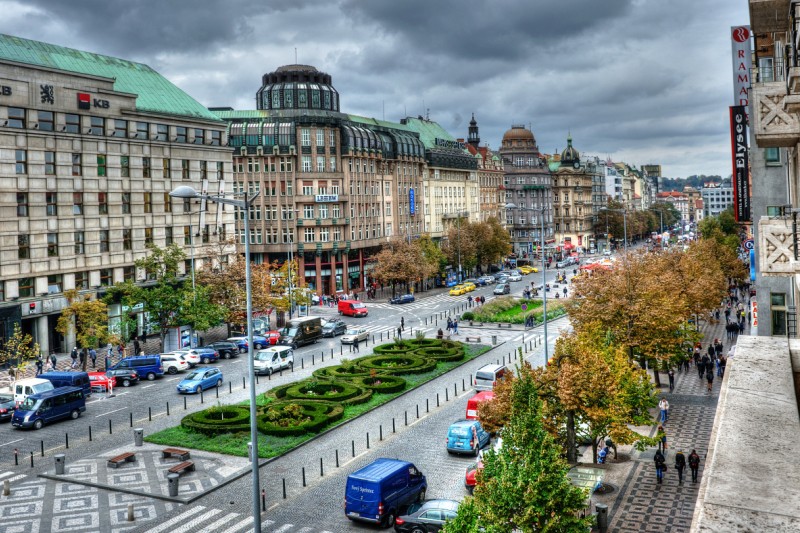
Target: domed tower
(474,139)
(570,157)
(297,87)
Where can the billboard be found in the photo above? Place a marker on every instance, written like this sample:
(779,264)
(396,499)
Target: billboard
(411,204)
(741,167)
(742,64)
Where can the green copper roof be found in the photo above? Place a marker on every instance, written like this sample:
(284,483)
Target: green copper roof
(233,114)
(153,91)
(428,131)
(554,165)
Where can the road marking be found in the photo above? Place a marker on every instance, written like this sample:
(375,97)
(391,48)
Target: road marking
(196,521)
(284,527)
(12,442)
(114,411)
(148,386)
(169,523)
(216,526)
(173,379)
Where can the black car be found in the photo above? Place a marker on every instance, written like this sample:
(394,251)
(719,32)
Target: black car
(7,406)
(426,517)
(125,376)
(403,299)
(225,349)
(333,328)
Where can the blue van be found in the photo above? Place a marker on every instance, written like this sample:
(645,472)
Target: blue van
(148,366)
(466,436)
(46,407)
(69,379)
(378,491)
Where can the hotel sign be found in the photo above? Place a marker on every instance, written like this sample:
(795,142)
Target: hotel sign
(741,168)
(742,64)
(323,198)
(446,143)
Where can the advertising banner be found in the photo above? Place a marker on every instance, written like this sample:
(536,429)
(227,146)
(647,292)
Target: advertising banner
(741,167)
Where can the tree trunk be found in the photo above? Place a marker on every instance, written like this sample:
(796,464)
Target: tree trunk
(594,450)
(656,375)
(572,456)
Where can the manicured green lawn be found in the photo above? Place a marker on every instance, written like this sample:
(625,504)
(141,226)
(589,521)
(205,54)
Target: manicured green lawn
(509,309)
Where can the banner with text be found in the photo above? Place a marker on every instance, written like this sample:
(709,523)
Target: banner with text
(741,167)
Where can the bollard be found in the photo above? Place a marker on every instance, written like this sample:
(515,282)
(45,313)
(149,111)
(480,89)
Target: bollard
(602,517)
(201,392)
(184,403)
(284,488)
(172,484)
(406,414)
(380,434)
(322,356)
(368,440)
(130,511)
(230,388)
(353,447)
(321,470)
(31,459)
(256,384)
(304,476)
(463,385)
(437,399)
(381,336)
(109,427)
(312,360)
(504,359)
(340,350)
(337,457)
(302,366)
(332,353)
(6,487)
(470,380)
(455,390)
(16,457)
(427,408)
(393,428)
(149,414)
(138,436)
(41,443)
(60,458)
(244,385)
(447,395)
(417,410)
(217,388)
(167,413)
(66,441)
(131,417)
(494,340)
(263,500)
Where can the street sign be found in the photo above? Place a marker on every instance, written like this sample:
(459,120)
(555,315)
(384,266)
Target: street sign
(748,244)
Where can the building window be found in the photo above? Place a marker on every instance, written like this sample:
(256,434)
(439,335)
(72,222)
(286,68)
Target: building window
(120,128)
(50,163)
(308,211)
(305,137)
(21,157)
(46,121)
(145,167)
(106,277)
(772,156)
(104,240)
(324,234)
(198,136)
(320,163)
(102,203)
(126,203)
(166,168)
(129,273)
(167,203)
(101,165)
(308,235)
(77,165)
(323,211)
(148,235)
(148,202)
(77,203)
(51,200)
(778,305)
(127,239)
(23,246)
(320,137)
(180,134)
(142,130)
(96,125)
(335,210)
(26,287)
(187,236)
(81,280)
(125,164)
(22,204)
(168,238)
(185,169)
(216,138)
(16,117)
(52,245)
(187,205)
(308,188)
(306,163)
(79,243)
(203,170)
(220,170)
(72,123)
(162,130)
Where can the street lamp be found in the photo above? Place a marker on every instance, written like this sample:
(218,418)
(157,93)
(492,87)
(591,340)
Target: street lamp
(459,215)
(185,192)
(624,225)
(542,211)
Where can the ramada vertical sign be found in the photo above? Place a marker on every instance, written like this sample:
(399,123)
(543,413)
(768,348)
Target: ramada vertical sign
(741,168)
(742,64)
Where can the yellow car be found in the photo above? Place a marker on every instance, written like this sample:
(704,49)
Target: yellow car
(458,290)
(469,286)
(525,269)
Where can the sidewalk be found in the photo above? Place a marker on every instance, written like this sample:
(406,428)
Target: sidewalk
(642,505)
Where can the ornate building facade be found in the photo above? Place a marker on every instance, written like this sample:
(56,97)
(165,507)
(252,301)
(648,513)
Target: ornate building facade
(490,176)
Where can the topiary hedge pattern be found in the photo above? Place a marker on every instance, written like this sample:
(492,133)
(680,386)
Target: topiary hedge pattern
(312,404)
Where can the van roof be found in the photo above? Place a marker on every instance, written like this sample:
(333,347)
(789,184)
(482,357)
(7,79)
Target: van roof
(31,381)
(491,368)
(304,319)
(379,469)
(55,392)
(60,374)
(483,396)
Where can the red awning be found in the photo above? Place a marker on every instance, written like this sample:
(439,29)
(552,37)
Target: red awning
(568,246)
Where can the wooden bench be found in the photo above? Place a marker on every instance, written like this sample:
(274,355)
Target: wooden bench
(183,455)
(472,339)
(127,457)
(500,325)
(181,468)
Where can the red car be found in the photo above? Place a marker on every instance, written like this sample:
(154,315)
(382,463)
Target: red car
(272,337)
(102,382)
(469,477)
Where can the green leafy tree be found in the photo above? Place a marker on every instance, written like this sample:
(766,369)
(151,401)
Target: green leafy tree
(88,317)
(460,245)
(434,258)
(19,349)
(492,241)
(401,263)
(523,487)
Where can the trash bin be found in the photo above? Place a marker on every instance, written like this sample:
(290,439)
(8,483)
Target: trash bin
(494,339)
(60,460)
(602,517)
(250,451)
(138,436)
(172,484)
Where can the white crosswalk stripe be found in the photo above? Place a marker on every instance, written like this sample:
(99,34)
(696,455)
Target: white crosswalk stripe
(217,526)
(202,520)
(169,524)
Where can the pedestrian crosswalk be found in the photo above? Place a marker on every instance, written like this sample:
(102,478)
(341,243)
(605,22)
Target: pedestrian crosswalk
(201,519)
(422,303)
(10,477)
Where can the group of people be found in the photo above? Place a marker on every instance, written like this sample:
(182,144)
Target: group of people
(680,464)
(706,362)
(479,300)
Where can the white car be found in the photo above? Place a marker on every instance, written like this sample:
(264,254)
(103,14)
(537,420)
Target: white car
(353,335)
(174,363)
(515,276)
(190,356)
(273,359)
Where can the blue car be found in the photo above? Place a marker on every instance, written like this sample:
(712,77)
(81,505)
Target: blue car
(404,299)
(466,436)
(201,379)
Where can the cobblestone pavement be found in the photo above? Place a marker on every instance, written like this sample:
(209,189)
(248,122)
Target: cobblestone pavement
(642,505)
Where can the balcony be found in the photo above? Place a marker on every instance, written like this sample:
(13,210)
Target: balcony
(775,124)
(769,15)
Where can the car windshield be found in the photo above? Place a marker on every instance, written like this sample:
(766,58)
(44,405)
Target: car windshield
(358,305)
(263,356)
(194,376)
(289,332)
(30,404)
(352,332)
(4,398)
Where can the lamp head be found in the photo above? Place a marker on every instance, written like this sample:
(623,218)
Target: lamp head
(511,206)
(184,191)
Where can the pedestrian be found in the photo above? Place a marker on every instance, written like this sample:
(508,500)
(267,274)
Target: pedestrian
(84,356)
(53,362)
(39,365)
(663,405)
(709,379)
(449,325)
(722,362)
(93,357)
(399,332)
(137,348)
(662,443)
(711,352)
(694,465)
(741,327)
(74,356)
(356,345)
(601,455)
(700,364)
(440,334)
(718,347)
(469,300)
(661,465)
(455,326)
(565,292)
(671,375)
(680,464)
(403,323)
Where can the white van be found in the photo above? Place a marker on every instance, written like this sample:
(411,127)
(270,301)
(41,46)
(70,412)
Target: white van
(273,359)
(487,376)
(25,387)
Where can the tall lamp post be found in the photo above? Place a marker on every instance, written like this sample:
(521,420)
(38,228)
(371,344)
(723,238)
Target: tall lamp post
(541,211)
(184,192)
(624,225)
(460,215)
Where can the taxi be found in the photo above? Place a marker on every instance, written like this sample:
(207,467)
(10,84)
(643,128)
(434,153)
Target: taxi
(528,269)
(458,290)
(469,286)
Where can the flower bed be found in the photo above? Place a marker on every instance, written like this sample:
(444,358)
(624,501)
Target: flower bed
(331,391)
(295,417)
(227,419)
(394,364)
(441,354)
(381,383)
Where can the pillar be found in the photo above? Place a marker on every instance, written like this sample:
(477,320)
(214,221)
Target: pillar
(43,335)
(318,273)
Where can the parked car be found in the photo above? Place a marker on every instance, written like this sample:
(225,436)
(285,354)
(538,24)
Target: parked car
(201,379)
(469,286)
(190,355)
(207,354)
(25,387)
(503,279)
(50,406)
(402,299)
(226,349)
(148,366)
(487,376)
(333,328)
(471,474)
(101,382)
(562,264)
(174,363)
(125,376)
(301,331)
(472,403)
(259,342)
(273,359)
(487,280)
(502,288)
(69,379)
(466,436)
(353,335)
(458,290)
(475,281)
(377,492)
(240,342)
(427,517)
(272,336)
(7,406)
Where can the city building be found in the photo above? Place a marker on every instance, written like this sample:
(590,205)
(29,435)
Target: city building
(90,147)
(490,176)
(653,173)
(717,197)
(528,185)
(613,181)
(679,200)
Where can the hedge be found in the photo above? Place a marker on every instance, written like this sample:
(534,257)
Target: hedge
(405,364)
(343,372)
(381,383)
(441,354)
(393,349)
(206,421)
(331,391)
(316,414)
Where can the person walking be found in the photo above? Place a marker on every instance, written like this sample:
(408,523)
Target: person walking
(722,362)
(403,323)
(449,325)
(663,405)
(399,332)
(694,465)
(356,345)
(74,356)
(137,348)
(93,357)
(680,464)
(671,376)
(661,465)
(709,379)
(39,366)
(662,443)
(700,365)
(455,326)
(53,362)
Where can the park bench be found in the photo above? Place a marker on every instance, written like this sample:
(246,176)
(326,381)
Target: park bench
(127,457)
(180,468)
(500,325)
(183,455)
(472,339)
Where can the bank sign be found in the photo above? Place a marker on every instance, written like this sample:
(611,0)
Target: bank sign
(324,198)
(412,208)
(741,168)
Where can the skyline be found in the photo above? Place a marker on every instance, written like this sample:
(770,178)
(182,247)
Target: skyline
(604,74)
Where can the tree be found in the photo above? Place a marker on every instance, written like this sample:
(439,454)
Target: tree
(20,349)
(88,317)
(664,211)
(492,241)
(401,262)
(460,246)
(524,486)
(432,254)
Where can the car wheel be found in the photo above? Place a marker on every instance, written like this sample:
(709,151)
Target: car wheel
(388,520)
(206,360)
(151,376)
(172,370)
(74,414)
(470,489)
(259,346)
(219,383)
(417,530)
(38,424)
(126,382)
(198,389)
(227,355)
(421,496)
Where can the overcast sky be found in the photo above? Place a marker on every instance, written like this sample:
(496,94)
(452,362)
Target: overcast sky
(641,81)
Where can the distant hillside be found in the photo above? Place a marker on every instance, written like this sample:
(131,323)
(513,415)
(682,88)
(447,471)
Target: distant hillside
(677,184)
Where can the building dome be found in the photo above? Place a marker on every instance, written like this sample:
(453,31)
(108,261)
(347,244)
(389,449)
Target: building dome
(518,133)
(297,87)
(570,155)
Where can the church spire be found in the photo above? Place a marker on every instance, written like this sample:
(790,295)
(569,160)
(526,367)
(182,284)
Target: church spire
(474,139)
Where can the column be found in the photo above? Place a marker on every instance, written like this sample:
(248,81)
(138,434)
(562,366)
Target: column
(43,335)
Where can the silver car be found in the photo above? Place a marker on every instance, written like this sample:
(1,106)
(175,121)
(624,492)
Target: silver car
(354,335)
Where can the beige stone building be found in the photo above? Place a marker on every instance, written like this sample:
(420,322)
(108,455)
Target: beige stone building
(490,176)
